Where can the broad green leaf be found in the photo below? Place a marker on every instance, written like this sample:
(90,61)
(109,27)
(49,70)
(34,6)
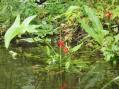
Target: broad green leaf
(95,29)
(92,16)
(12,31)
(90,31)
(28,20)
(18,29)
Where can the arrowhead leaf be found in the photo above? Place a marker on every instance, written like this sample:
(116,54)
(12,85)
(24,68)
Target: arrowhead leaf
(28,20)
(12,31)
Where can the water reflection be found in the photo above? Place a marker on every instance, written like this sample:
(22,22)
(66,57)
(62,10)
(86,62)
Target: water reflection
(20,74)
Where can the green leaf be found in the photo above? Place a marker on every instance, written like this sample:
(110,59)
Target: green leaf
(116,38)
(31,40)
(93,26)
(48,50)
(74,49)
(67,65)
(93,18)
(71,9)
(12,31)
(28,20)
(18,29)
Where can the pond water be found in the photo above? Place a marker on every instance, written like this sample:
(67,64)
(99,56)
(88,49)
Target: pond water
(19,74)
(13,73)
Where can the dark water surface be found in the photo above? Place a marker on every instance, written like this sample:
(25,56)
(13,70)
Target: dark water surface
(19,74)
(14,73)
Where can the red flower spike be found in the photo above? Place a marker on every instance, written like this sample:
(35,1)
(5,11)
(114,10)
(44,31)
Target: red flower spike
(108,15)
(66,50)
(64,86)
(60,43)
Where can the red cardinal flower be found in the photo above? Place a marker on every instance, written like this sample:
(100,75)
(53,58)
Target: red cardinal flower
(66,49)
(64,86)
(108,15)
(60,43)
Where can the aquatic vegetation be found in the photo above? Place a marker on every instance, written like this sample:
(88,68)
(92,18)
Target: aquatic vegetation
(110,48)
(19,29)
(59,44)
(93,27)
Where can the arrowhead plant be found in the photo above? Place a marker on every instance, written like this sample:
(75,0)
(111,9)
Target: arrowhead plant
(19,29)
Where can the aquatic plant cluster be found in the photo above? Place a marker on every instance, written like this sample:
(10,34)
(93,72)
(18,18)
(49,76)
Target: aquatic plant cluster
(70,37)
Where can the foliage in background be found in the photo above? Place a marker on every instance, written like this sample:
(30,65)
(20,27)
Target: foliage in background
(110,48)
(109,44)
(9,9)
